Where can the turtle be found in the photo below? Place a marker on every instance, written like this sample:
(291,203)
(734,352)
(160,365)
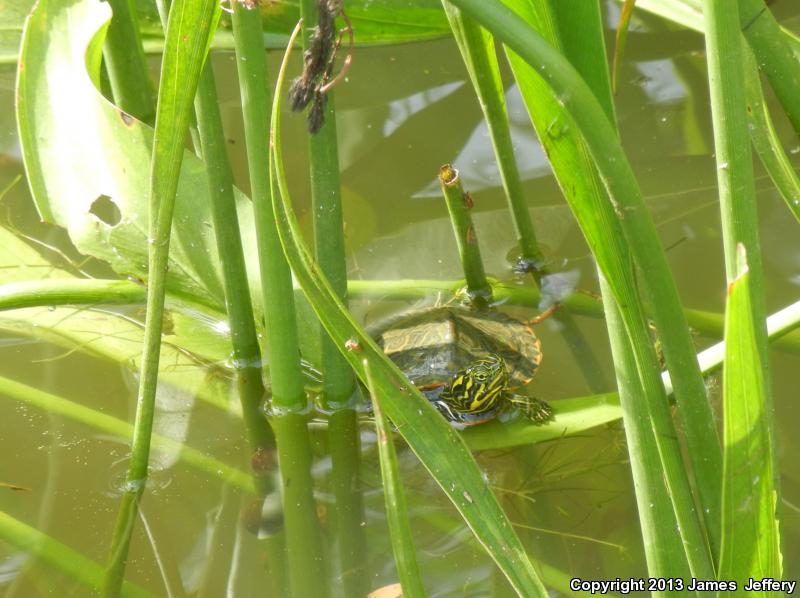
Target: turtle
(467,362)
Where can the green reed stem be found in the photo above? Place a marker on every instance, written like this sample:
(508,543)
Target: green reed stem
(338,382)
(244,339)
(774,53)
(126,63)
(734,160)
(326,202)
(303,539)
(459,204)
(732,143)
(276,280)
(246,350)
(348,510)
(737,197)
(477,50)
(281,332)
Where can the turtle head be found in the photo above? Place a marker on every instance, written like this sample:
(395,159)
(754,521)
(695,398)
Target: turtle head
(478,387)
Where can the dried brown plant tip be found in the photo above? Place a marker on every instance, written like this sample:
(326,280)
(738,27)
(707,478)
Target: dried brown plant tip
(300,94)
(318,61)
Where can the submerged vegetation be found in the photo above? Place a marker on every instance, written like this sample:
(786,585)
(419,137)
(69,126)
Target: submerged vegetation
(253,318)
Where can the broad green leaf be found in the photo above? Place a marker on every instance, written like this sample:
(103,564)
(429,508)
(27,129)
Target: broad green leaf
(385,22)
(751,538)
(438,446)
(78,149)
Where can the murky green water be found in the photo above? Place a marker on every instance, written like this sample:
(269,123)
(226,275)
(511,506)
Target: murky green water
(403,112)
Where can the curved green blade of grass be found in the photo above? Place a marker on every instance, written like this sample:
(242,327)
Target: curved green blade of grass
(751,538)
(60,557)
(572,416)
(396,509)
(436,444)
(189,31)
(765,139)
(620,39)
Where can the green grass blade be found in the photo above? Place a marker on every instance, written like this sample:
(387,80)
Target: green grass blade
(189,32)
(437,445)
(765,139)
(774,53)
(571,417)
(751,538)
(60,557)
(665,556)
(396,509)
(655,462)
(244,336)
(620,39)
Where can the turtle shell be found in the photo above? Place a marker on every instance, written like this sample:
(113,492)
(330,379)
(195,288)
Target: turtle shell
(431,345)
